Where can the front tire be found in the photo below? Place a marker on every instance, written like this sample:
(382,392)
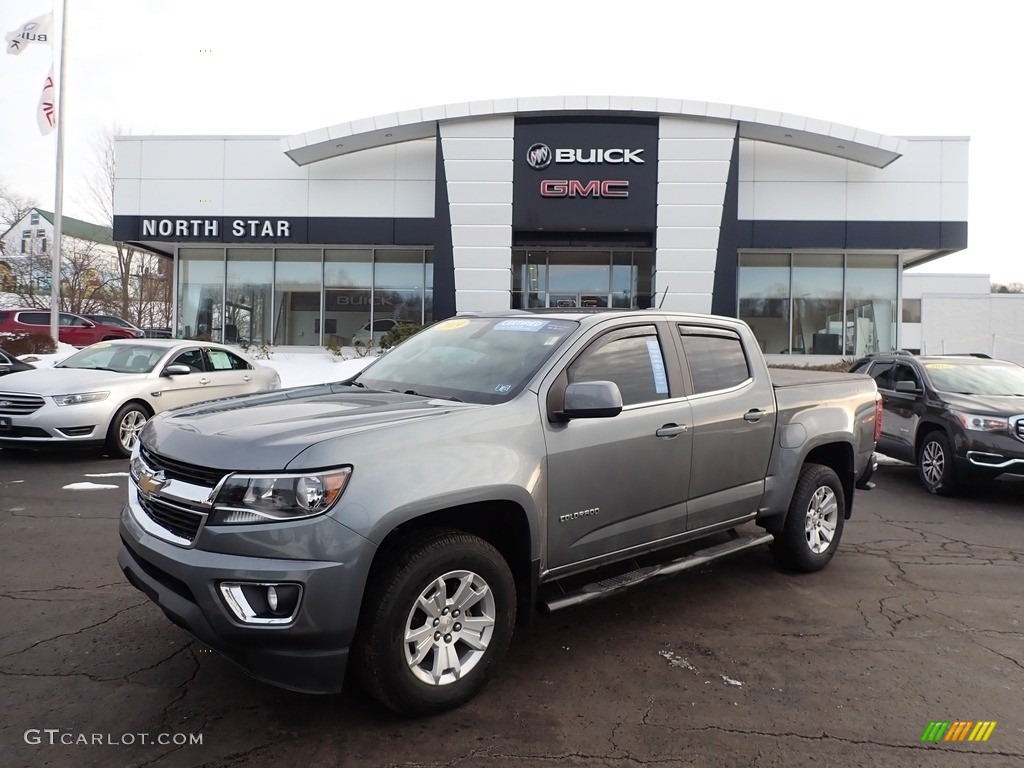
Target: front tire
(935,466)
(123,432)
(436,622)
(814,522)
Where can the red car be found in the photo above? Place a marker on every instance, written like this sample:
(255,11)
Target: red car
(73,330)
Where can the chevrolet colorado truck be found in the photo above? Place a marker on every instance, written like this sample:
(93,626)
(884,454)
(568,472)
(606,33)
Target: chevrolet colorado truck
(408,517)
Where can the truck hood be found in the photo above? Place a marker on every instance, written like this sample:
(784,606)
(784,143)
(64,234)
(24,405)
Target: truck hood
(267,431)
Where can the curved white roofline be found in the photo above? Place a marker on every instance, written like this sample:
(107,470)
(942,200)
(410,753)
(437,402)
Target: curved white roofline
(807,133)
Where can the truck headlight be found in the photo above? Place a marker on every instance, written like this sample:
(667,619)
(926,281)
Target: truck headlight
(243,498)
(81,397)
(980,422)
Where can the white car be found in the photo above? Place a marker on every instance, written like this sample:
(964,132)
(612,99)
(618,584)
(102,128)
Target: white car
(103,395)
(364,337)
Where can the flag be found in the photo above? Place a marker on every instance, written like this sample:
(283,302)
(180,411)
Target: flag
(46,114)
(35,31)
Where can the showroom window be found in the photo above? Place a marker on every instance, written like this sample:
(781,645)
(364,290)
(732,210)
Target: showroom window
(200,293)
(820,303)
(250,277)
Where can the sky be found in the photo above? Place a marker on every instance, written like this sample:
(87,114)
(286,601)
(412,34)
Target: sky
(237,67)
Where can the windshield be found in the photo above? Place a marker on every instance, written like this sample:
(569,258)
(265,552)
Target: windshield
(120,358)
(977,378)
(476,360)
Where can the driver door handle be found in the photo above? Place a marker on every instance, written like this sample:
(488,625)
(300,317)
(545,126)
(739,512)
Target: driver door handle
(754,414)
(671,430)
(204,380)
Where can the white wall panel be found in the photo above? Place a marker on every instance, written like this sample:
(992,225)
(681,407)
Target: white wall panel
(476,213)
(181,197)
(259,159)
(684,128)
(376,163)
(955,160)
(263,197)
(127,197)
(689,215)
(479,192)
(892,202)
(474,235)
(954,202)
(691,194)
(478,149)
(480,257)
(694,149)
(483,280)
(496,127)
(692,170)
(803,201)
(686,282)
(917,284)
(686,260)
(478,170)
(416,159)
(482,301)
(414,199)
(745,202)
(688,237)
(183,159)
(128,159)
(686,302)
(351,198)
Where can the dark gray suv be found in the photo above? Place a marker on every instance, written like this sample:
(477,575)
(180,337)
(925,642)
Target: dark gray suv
(958,418)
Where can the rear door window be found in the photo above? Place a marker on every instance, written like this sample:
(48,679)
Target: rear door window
(34,318)
(222,360)
(715,358)
(882,374)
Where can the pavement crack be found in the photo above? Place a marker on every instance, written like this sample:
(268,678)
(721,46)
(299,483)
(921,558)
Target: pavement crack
(76,632)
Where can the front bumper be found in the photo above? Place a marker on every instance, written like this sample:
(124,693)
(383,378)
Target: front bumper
(991,454)
(310,653)
(83,425)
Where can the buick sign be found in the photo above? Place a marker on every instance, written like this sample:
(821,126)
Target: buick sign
(539,156)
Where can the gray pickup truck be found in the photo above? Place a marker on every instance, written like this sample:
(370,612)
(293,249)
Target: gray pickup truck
(492,464)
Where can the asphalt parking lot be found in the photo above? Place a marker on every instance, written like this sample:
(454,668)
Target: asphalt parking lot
(920,618)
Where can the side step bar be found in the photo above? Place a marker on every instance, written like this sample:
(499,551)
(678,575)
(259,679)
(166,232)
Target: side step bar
(606,587)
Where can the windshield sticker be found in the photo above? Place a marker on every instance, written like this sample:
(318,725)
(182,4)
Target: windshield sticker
(938,366)
(554,326)
(452,325)
(501,389)
(527,326)
(657,366)
(550,341)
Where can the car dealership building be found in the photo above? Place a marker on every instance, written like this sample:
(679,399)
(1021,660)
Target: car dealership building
(799,226)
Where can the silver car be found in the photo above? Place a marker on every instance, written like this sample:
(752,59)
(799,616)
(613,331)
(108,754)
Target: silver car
(104,394)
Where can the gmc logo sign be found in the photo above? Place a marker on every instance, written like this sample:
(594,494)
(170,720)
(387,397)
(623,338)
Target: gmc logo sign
(577,188)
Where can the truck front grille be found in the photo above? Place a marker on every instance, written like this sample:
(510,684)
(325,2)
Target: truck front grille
(179,470)
(15,404)
(181,521)
(1020,428)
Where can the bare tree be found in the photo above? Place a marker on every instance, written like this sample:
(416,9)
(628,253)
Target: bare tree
(13,208)
(84,276)
(141,289)
(1008,288)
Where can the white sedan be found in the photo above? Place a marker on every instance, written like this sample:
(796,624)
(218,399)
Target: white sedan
(104,394)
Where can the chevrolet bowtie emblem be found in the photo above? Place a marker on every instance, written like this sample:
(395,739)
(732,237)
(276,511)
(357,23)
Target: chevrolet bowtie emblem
(150,485)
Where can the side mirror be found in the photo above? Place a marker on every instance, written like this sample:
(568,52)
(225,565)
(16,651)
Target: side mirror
(592,400)
(177,370)
(907,386)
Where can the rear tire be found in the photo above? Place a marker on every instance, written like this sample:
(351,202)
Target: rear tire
(437,620)
(935,466)
(814,523)
(123,432)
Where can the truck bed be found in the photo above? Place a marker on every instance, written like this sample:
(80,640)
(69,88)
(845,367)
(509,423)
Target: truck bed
(788,377)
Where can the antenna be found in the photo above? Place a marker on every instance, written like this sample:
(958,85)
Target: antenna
(663,295)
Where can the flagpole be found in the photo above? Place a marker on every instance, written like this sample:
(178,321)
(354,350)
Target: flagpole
(58,204)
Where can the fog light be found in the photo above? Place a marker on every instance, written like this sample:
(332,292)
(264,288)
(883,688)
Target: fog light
(262,602)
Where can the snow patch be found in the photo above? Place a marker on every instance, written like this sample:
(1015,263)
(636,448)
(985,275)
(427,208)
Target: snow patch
(88,487)
(729,681)
(675,660)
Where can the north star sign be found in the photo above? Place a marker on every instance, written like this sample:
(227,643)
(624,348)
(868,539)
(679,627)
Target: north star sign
(277,229)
